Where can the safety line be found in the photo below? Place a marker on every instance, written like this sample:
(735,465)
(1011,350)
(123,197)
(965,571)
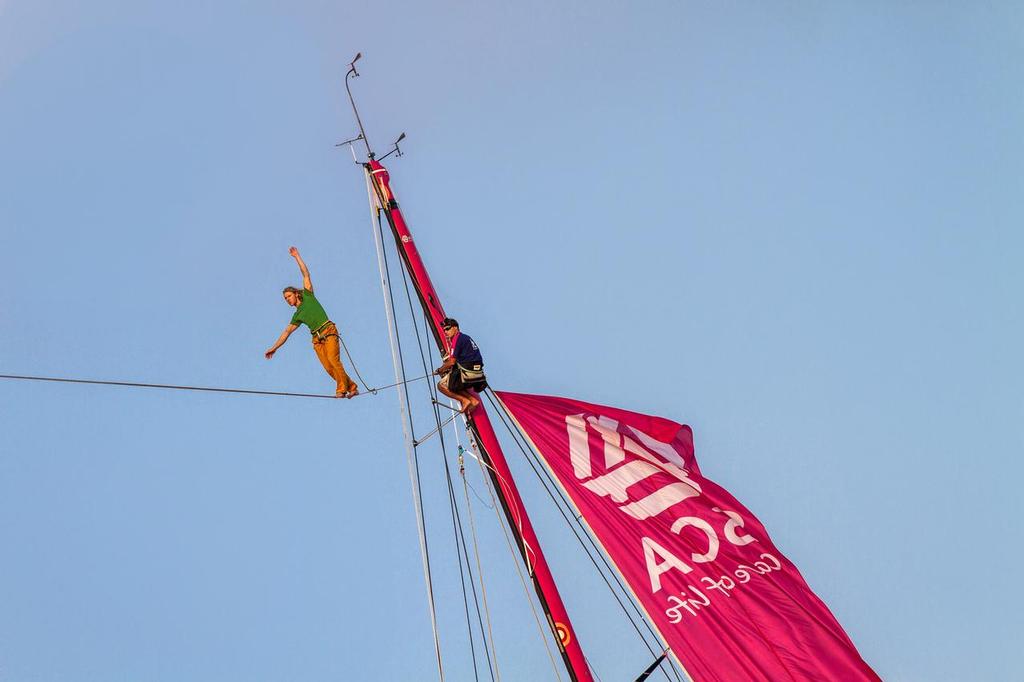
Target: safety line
(209,389)
(352,362)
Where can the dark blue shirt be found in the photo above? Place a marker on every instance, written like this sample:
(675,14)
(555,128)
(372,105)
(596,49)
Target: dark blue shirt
(466,351)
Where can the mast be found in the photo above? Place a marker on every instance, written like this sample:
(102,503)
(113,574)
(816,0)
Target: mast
(403,400)
(490,449)
(491,452)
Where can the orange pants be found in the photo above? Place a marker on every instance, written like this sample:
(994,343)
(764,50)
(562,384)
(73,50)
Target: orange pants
(325,343)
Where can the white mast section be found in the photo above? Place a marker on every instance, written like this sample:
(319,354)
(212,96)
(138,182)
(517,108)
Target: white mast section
(410,447)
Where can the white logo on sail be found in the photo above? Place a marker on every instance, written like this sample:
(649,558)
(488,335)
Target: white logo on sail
(621,474)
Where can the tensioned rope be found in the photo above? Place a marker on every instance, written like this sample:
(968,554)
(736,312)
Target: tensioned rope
(414,443)
(208,389)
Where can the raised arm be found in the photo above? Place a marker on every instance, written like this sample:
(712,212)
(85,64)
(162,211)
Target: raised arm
(307,283)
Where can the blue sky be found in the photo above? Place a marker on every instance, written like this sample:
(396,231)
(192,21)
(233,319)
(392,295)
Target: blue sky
(794,227)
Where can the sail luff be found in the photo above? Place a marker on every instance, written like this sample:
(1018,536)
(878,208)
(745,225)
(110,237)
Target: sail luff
(551,601)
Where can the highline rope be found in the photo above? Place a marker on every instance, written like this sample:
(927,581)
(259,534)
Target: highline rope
(209,389)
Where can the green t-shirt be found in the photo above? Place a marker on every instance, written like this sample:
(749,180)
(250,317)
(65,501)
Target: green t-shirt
(309,312)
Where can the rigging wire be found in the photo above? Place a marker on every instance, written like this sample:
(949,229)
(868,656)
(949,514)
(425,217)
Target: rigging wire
(519,570)
(457,533)
(492,649)
(489,642)
(462,553)
(209,389)
(532,606)
(491,652)
(414,465)
(560,503)
(487,467)
(381,202)
(476,553)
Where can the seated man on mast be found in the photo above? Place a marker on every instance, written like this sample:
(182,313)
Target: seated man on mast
(325,333)
(462,370)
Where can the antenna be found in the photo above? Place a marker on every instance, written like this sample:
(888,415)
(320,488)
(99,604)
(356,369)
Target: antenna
(352,73)
(350,147)
(396,149)
(362,133)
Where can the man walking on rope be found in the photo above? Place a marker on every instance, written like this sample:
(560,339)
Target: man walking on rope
(462,369)
(325,335)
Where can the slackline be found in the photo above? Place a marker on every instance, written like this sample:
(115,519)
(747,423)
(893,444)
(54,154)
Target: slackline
(209,389)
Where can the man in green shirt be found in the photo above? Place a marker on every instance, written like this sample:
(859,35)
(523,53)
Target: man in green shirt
(325,335)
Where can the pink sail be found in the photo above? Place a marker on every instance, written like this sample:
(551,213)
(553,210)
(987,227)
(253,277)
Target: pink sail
(729,605)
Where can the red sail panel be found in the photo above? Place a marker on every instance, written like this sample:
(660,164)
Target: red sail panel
(724,598)
(407,247)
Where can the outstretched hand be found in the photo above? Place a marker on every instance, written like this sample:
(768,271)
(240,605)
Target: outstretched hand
(293,252)
(270,353)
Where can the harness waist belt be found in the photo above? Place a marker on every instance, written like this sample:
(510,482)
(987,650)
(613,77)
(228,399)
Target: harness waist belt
(316,332)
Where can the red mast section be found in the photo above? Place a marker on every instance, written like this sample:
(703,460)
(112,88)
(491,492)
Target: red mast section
(501,476)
